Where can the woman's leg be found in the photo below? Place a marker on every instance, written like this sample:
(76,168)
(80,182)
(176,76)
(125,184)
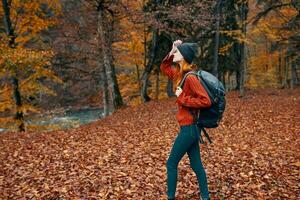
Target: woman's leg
(196,164)
(182,143)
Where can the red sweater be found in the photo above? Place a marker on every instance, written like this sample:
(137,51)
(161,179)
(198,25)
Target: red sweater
(193,94)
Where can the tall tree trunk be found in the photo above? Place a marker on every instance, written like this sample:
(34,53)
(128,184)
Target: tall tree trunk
(223,79)
(286,73)
(242,71)
(111,72)
(15,82)
(17,96)
(107,105)
(228,86)
(8,25)
(138,75)
(244,13)
(294,78)
(279,71)
(149,67)
(145,53)
(217,39)
(145,38)
(238,79)
(157,85)
(105,93)
(105,44)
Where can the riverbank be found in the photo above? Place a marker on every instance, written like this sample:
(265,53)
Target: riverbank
(60,119)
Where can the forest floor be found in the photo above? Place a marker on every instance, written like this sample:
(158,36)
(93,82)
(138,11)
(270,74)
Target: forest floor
(254,155)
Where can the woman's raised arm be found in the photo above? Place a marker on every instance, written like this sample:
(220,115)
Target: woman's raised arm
(166,68)
(166,64)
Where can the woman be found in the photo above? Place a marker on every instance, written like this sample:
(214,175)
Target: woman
(192,96)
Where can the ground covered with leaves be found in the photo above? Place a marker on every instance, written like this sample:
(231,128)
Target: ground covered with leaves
(254,155)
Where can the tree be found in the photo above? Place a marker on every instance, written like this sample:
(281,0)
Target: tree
(243,19)
(284,35)
(130,50)
(272,27)
(217,37)
(106,17)
(20,63)
(230,38)
(151,57)
(170,20)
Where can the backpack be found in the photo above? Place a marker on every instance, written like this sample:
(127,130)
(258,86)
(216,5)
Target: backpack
(209,117)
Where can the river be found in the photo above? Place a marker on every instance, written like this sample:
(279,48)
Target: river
(70,119)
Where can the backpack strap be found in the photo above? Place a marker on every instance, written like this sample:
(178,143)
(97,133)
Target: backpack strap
(206,135)
(200,129)
(202,81)
(190,72)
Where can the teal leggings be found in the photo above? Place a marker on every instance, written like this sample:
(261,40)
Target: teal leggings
(186,141)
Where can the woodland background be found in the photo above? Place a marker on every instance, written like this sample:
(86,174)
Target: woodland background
(58,56)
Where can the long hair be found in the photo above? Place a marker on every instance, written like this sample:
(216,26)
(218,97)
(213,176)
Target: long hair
(181,71)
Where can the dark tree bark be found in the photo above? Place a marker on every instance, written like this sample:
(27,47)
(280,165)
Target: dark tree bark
(222,78)
(107,56)
(15,82)
(157,84)
(217,39)
(286,73)
(138,75)
(244,13)
(228,86)
(149,67)
(296,74)
(237,76)
(8,25)
(105,93)
(294,77)
(279,70)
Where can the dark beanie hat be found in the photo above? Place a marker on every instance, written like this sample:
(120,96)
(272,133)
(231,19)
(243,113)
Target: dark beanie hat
(188,51)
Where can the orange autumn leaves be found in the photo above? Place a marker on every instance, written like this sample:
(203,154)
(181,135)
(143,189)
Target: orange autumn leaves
(266,65)
(29,18)
(27,58)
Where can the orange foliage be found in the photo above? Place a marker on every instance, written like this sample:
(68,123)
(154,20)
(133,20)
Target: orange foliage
(32,17)
(263,61)
(130,91)
(129,52)
(28,19)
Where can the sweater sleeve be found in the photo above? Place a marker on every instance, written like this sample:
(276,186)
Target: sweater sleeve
(200,98)
(166,68)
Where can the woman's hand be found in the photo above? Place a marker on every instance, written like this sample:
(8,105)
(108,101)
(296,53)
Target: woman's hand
(178,91)
(175,44)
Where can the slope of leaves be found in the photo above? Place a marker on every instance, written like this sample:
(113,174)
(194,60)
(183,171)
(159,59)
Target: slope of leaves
(255,154)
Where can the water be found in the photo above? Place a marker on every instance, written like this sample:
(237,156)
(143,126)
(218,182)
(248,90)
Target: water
(84,116)
(70,119)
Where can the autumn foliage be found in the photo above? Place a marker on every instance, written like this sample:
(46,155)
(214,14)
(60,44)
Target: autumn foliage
(270,48)
(112,51)
(23,56)
(253,155)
